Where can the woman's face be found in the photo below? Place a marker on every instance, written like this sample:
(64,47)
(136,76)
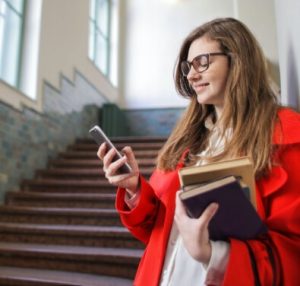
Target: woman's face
(209,85)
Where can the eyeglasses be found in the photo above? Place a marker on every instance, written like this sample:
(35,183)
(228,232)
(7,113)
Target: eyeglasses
(199,63)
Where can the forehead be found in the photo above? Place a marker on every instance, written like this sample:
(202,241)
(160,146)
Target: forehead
(202,45)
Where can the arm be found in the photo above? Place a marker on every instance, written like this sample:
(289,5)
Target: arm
(140,219)
(275,259)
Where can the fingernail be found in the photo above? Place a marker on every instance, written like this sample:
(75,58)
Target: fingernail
(215,206)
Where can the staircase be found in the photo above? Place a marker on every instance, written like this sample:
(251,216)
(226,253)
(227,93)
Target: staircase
(61,228)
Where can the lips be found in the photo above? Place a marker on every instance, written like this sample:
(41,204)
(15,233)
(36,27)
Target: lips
(200,86)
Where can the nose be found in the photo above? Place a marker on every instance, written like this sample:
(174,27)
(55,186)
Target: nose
(193,74)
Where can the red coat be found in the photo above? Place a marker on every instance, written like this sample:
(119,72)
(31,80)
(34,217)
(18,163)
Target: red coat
(278,202)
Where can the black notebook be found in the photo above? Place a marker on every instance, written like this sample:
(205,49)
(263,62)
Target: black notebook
(236,217)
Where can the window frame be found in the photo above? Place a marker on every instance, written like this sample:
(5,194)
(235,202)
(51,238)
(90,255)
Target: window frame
(22,15)
(96,33)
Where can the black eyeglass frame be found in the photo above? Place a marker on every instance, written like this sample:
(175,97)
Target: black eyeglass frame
(196,62)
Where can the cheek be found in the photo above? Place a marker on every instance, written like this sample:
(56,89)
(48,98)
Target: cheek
(221,80)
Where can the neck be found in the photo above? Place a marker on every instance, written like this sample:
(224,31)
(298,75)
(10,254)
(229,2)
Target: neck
(219,110)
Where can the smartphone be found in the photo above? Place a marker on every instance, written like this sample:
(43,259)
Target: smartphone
(100,137)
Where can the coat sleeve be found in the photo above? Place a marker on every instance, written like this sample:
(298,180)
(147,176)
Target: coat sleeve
(275,259)
(139,220)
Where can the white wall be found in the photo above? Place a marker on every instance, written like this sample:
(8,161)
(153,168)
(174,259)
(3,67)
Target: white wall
(154,32)
(153,35)
(260,17)
(63,49)
(288,23)
(64,46)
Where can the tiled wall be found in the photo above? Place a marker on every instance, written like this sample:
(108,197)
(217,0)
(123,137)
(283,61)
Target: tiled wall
(152,122)
(29,139)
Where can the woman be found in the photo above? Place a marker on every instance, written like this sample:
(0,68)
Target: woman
(232,113)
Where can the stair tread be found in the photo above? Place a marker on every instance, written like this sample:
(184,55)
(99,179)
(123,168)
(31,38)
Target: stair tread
(130,139)
(50,210)
(98,161)
(90,172)
(138,153)
(64,228)
(71,250)
(100,181)
(119,146)
(61,277)
(146,145)
(62,195)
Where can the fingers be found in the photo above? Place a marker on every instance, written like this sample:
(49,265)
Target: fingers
(128,152)
(130,158)
(117,179)
(111,168)
(180,209)
(208,214)
(101,151)
(204,219)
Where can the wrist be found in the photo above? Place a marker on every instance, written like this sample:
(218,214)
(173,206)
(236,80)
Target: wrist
(207,255)
(202,253)
(131,191)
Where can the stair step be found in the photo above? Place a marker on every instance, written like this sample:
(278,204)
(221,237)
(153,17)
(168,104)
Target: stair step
(99,236)
(62,227)
(135,146)
(58,185)
(128,139)
(140,154)
(71,216)
(78,173)
(40,199)
(17,276)
(97,260)
(92,163)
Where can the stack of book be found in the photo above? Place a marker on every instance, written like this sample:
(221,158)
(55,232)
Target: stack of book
(231,184)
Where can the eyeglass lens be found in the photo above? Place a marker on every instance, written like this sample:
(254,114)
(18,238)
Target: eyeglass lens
(199,63)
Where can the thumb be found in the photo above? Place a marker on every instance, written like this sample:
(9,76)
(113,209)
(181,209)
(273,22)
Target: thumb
(208,214)
(130,157)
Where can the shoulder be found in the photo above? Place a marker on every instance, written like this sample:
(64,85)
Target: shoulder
(287,127)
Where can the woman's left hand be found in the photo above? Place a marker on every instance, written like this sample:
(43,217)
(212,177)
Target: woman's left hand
(194,232)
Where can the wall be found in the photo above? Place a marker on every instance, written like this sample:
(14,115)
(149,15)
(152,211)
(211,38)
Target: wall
(64,45)
(151,122)
(262,22)
(70,91)
(154,32)
(63,50)
(29,138)
(288,22)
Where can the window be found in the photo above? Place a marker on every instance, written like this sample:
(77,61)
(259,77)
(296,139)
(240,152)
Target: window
(11,32)
(103,45)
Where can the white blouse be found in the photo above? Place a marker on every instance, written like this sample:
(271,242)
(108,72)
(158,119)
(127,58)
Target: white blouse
(179,267)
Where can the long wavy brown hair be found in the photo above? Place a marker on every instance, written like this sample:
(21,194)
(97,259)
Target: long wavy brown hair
(250,106)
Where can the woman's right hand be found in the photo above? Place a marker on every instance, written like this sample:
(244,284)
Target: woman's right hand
(128,181)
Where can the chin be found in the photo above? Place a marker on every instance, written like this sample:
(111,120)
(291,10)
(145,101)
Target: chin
(203,99)
(208,100)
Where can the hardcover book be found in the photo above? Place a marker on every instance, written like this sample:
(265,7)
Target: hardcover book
(236,217)
(241,168)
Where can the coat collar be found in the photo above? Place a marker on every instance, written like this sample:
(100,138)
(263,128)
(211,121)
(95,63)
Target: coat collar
(287,129)
(286,132)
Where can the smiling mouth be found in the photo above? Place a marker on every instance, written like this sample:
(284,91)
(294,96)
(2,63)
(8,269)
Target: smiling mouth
(200,86)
